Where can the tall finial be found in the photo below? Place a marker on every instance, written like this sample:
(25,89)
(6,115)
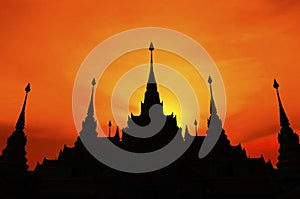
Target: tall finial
(91,105)
(151,79)
(196,127)
(93,82)
(213,109)
(151,47)
(89,125)
(21,120)
(275,85)
(284,122)
(209,80)
(28,89)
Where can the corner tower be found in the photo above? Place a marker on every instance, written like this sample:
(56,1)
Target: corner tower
(89,125)
(223,142)
(13,158)
(289,150)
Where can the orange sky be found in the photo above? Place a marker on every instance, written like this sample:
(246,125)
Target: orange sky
(251,42)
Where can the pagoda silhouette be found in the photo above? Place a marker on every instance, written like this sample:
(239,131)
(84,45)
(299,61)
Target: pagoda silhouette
(13,159)
(289,151)
(152,106)
(226,172)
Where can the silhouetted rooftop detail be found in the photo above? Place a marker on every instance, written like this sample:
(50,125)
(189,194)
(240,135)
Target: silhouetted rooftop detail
(21,120)
(151,47)
(223,143)
(151,95)
(284,122)
(289,150)
(109,128)
(91,105)
(213,109)
(187,134)
(151,79)
(13,159)
(196,127)
(89,125)
(117,136)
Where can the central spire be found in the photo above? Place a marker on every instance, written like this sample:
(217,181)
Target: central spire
(284,122)
(151,79)
(151,94)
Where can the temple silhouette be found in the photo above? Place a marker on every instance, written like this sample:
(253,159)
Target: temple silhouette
(226,172)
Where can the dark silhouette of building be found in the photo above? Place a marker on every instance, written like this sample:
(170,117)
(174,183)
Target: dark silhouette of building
(14,177)
(289,151)
(152,106)
(226,172)
(13,159)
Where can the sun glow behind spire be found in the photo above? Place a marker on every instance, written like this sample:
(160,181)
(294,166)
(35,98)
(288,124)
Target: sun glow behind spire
(171,102)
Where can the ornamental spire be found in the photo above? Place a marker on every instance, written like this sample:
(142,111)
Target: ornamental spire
(213,109)
(21,120)
(89,125)
(91,105)
(151,94)
(151,79)
(284,122)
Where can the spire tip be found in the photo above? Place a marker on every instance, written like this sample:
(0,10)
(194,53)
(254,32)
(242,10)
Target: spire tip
(195,122)
(94,82)
(209,80)
(27,89)
(151,47)
(275,85)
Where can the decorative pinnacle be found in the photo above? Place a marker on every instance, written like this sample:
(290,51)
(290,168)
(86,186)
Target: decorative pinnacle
(151,79)
(91,105)
(195,122)
(275,85)
(27,89)
(213,109)
(94,82)
(151,47)
(21,120)
(284,121)
(209,80)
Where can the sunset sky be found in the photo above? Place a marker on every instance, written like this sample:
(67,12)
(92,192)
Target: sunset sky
(251,42)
